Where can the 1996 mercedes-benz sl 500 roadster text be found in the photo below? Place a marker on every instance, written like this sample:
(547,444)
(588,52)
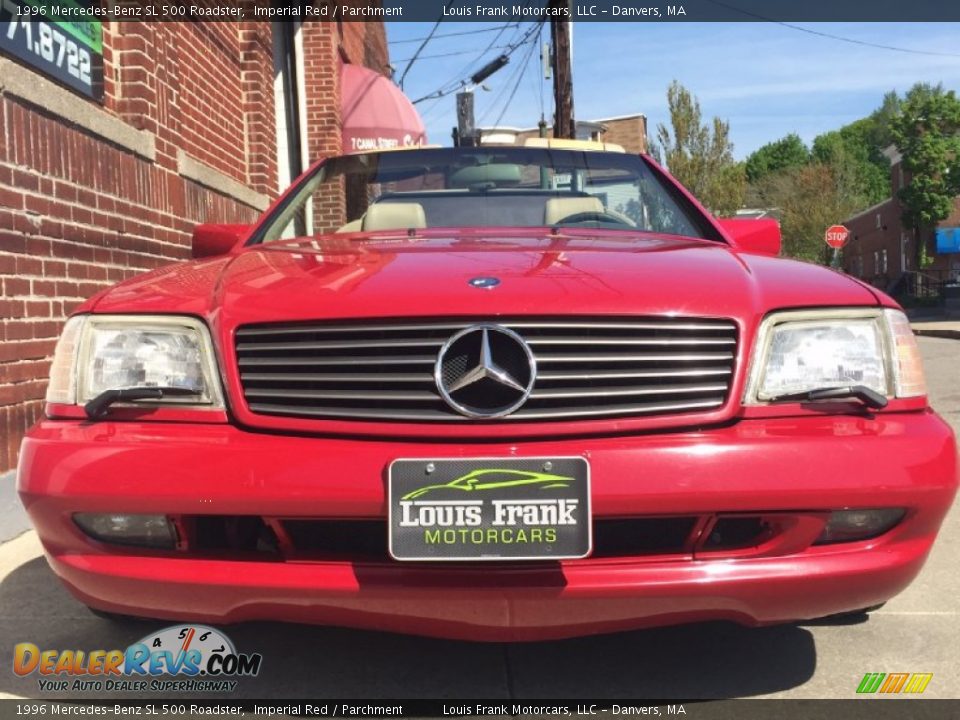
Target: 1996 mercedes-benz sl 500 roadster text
(498,393)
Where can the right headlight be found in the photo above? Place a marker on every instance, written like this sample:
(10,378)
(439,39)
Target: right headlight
(806,350)
(97,353)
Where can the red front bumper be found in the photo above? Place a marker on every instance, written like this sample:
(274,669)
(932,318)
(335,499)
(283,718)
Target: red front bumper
(903,460)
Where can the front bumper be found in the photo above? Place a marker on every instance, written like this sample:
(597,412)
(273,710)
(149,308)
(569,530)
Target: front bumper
(806,464)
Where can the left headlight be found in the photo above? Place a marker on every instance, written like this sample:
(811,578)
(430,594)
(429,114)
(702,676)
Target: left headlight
(106,352)
(802,351)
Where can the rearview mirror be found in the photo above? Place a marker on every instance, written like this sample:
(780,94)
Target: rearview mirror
(210,240)
(753,235)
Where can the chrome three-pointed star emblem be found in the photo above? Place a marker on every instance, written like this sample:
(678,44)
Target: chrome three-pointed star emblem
(485,371)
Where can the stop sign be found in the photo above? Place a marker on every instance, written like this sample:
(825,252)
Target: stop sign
(836,236)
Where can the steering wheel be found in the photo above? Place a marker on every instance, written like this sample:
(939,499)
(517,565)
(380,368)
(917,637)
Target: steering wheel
(598,216)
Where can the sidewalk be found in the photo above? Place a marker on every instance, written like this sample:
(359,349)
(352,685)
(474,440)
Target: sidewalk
(937,328)
(13,518)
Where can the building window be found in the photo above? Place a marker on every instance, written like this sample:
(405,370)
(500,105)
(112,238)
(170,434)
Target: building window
(879,222)
(880,262)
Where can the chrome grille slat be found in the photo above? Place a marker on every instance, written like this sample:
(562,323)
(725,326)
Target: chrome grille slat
(587,368)
(339,377)
(343,344)
(381,396)
(645,357)
(610,392)
(593,340)
(628,374)
(348,361)
(442,415)
(518,325)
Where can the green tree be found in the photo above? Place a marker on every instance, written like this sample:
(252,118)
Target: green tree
(927,133)
(812,198)
(851,144)
(781,154)
(700,155)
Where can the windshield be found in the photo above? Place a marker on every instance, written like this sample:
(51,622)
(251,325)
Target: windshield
(482,187)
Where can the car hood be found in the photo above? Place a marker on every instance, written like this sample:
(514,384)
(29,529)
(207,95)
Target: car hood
(546,274)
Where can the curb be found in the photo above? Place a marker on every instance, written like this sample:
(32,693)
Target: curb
(938,332)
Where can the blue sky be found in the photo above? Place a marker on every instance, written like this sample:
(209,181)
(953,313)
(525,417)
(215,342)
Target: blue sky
(766,79)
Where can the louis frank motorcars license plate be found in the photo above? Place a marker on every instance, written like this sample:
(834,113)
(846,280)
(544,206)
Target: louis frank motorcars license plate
(489,509)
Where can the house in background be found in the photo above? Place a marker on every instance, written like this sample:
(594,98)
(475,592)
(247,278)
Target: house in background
(882,251)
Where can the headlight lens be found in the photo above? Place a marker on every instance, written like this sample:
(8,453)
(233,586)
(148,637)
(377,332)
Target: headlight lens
(800,351)
(820,354)
(98,353)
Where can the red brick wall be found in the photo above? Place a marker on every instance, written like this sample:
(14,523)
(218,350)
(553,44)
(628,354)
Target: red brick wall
(866,239)
(78,213)
(365,44)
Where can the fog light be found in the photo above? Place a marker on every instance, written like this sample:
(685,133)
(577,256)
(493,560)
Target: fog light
(851,525)
(122,529)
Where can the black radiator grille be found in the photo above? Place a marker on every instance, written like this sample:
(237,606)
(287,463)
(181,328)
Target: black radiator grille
(586,368)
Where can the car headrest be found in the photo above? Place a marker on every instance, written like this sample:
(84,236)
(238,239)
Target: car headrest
(557,209)
(394,216)
(352,226)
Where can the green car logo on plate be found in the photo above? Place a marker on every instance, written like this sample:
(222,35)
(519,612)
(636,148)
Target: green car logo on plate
(494,478)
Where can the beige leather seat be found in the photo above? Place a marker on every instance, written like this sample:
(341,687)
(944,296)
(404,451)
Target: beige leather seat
(557,209)
(394,216)
(352,226)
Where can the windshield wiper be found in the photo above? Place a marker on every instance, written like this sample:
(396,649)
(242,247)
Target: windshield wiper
(101,403)
(870,398)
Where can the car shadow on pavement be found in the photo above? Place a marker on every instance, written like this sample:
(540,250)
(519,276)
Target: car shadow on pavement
(710,660)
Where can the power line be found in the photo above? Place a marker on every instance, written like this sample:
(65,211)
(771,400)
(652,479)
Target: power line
(455,34)
(454,81)
(512,48)
(456,52)
(459,81)
(524,66)
(866,43)
(424,43)
(818,33)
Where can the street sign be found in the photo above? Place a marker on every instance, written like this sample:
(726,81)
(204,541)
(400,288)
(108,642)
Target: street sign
(836,236)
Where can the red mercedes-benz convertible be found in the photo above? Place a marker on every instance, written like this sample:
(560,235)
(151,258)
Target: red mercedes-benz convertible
(497,393)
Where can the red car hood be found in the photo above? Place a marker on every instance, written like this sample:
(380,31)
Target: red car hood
(395,275)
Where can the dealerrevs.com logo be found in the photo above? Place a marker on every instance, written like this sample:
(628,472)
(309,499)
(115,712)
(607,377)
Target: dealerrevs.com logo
(186,658)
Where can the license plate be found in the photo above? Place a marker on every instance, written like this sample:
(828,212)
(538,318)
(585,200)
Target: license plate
(489,509)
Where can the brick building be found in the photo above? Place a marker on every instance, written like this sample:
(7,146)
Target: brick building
(628,131)
(881,249)
(188,123)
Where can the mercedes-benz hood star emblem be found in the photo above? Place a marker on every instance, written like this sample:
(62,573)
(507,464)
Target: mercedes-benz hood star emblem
(485,371)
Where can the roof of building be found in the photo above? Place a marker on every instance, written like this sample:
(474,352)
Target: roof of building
(867,211)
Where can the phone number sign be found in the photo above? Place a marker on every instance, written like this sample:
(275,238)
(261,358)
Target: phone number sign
(70,52)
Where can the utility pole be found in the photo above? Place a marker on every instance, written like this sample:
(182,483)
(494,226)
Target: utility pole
(465,133)
(560,28)
(466,128)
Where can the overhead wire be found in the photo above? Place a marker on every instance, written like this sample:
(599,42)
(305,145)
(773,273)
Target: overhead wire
(423,44)
(456,79)
(446,35)
(831,36)
(523,66)
(451,87)
(456,52)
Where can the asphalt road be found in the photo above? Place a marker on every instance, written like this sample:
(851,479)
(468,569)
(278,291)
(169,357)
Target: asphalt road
(916,632)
